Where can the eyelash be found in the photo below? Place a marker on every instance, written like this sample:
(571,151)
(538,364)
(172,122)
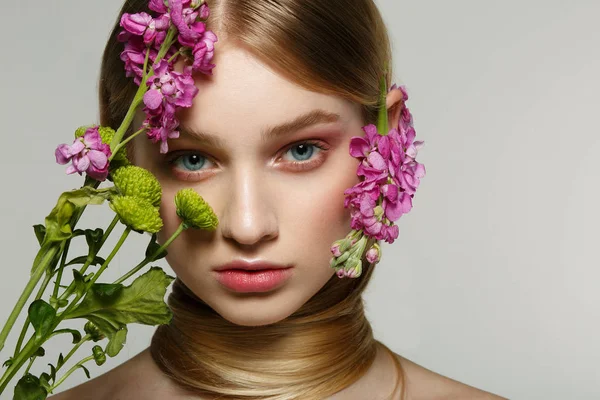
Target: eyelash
(297,165)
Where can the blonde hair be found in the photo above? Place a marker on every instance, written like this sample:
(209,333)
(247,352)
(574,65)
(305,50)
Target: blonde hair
(336,47)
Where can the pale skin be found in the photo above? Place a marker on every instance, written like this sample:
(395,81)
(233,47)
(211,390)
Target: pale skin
(258,194)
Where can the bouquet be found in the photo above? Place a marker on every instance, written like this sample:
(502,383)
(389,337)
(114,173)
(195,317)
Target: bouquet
(69,287)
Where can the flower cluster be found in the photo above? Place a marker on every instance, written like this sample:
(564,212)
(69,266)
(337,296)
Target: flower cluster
(391,177)
(88,154)
(144,36)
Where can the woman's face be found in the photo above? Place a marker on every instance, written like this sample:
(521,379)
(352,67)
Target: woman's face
(279,198)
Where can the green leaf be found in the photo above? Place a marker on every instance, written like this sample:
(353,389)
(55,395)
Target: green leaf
(40,352)
(94,239)
(107,293)
(83,259)
(79,282)
(57,222)
(116,341)
(87,372)
(153,247)
(29,388)
(52,372)
(8,362)
(61,361)
(76,334)
(142,302)
(99,355)
(40,232)
(45,381)
(41,315)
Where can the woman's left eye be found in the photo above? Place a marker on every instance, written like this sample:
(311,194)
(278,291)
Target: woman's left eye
(305,152)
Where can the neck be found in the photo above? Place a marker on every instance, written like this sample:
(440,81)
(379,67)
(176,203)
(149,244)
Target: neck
(321,349)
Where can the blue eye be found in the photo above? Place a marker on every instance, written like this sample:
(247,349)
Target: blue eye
(189,162)
(304,150)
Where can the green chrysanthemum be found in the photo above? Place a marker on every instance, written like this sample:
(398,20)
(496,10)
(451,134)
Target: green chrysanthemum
(107,134)
(194,211)
(138,182)
(137,213)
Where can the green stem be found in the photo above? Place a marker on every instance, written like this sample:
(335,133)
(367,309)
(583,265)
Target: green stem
(29,365)
(149,259)
(142,89)
(26,323)
(33,281)
(63,261)
(18,362)
(69,372)
(382,120)
(89,284)
(73,350)
(124,142)
(90,259)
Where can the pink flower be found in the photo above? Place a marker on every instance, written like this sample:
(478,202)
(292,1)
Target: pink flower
(142,24)
(204,52)
(87,153)
(168,86)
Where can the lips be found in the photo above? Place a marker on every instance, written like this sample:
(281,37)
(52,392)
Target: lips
(257,265)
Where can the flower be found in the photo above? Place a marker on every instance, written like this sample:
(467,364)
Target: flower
(138,182)
(391,176)
(194,211)
(87,154)
(107,134)
(142,24)
(204,52)
(137,213)
(169,89)
(373,255)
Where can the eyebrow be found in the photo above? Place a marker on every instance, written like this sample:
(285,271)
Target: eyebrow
(303,121)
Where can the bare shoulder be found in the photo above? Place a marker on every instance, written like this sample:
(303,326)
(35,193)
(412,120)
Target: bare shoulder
(424,384)
(137,378)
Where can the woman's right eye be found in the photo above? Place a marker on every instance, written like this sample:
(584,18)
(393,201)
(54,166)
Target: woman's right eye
(188,163)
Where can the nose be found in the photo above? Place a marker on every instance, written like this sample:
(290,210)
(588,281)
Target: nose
(249,217)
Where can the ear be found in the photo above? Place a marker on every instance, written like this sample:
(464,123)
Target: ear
(394,102)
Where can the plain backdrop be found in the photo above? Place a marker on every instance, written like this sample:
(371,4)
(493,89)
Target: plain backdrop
(494,279)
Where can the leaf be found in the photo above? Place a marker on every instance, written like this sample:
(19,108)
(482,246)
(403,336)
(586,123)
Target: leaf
(40,352)
(142,302)
(45,381)
(79,282)
(94,239)
(8,362)
(61,361)
(82,260)
(116,341)
(153,247)
(40,232)
(57,222)
(29,388)
(87,372)
(52,372)
(76,334)
(41,315)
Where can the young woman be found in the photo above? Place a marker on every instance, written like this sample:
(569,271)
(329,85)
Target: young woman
(266,145)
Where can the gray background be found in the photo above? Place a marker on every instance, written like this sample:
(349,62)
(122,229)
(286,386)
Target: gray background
(494,278)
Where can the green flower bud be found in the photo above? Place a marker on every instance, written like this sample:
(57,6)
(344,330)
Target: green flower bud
(91,329)
(138,182)
(81,130)
(353,267)
(194,211)
(99,355)
(137,213)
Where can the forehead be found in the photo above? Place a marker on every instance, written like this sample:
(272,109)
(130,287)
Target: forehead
(245,97)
